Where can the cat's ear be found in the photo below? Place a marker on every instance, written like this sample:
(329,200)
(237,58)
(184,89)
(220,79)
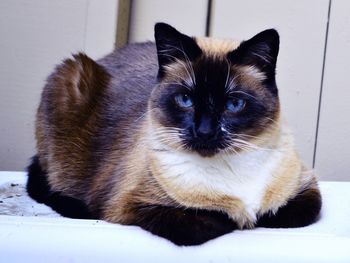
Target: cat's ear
(260,51)
(173,45)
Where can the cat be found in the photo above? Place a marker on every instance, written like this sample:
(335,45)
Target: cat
(182,137)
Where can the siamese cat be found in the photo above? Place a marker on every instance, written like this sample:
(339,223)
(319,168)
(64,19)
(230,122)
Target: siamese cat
(183,137)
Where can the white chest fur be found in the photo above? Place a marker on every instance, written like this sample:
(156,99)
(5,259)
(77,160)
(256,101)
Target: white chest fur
(243,176)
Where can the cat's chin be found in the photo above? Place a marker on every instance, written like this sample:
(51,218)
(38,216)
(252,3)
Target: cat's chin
(207,150)
(207,153)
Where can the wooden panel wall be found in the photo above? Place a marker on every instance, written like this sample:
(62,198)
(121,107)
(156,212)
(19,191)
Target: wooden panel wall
(186,16)
(333,142)
(101,26)
(300,61)
(36,35)
(303,29)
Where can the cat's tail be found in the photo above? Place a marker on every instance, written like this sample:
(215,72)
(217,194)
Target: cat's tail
(39,189)
(37,185)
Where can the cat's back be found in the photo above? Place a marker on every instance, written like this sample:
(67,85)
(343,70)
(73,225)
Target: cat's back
(133,75)
(132,60)
(89,108)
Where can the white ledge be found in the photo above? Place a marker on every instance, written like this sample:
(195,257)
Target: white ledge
(40,235)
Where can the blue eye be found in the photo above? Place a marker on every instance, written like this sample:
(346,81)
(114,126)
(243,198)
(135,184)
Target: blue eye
(235,105)
(184,100)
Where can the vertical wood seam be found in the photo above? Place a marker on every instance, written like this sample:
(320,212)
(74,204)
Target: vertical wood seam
(321,86)
(208,19)
(123,23)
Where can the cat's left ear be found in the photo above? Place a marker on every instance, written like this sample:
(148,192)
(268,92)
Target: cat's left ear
(173,45)
(260,51)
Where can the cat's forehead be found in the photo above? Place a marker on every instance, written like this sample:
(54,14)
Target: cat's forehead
(212,72)
(216,46)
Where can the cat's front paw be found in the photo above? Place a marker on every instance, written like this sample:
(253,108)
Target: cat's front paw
(186,227)
(302,210)
(198,229)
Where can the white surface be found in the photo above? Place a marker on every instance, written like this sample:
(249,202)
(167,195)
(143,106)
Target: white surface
(333,146)
(302,28)
(44,239)
(14,200)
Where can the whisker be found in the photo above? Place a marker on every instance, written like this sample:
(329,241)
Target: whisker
(251,146)
(171,72)
(176,60)
(246,135)
(228,72)
(230,86)
(177,83)
(169,136)
(245,93)
(143,115)
(188,62)
(274,121)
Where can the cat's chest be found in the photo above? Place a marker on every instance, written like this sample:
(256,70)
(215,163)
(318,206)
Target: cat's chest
(243,177)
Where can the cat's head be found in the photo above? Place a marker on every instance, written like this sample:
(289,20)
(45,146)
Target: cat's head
(214,95)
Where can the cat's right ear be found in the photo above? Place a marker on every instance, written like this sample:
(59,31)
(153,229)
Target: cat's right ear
(172,46)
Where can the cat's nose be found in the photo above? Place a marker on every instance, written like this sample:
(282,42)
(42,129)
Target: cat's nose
(205,134)
(206,129)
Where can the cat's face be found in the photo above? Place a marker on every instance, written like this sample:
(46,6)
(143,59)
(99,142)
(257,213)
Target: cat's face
(214,96)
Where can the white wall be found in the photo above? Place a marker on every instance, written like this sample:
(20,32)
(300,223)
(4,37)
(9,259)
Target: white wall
(36,35)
